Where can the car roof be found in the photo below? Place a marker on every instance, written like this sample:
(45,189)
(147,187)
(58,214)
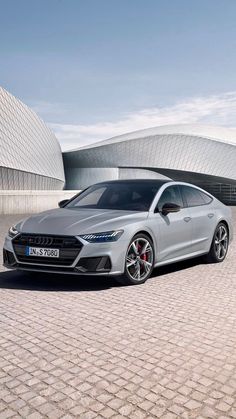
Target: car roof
(154,182)
(158,182)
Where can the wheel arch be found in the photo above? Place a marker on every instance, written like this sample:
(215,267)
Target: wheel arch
(212,256)
(225,223)
(150,236)
(147,233)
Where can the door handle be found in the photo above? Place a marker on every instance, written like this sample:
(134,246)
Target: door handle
(187,219)
(210,215)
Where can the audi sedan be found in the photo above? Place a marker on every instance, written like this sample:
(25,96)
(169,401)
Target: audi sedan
(123,228)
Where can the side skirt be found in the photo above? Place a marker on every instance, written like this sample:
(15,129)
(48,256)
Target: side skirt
(179,259)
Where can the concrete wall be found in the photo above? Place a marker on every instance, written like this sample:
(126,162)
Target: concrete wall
(28,202)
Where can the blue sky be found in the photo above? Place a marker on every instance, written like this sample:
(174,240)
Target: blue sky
(96,68)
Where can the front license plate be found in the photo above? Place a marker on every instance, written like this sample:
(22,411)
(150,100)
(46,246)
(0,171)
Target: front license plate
(40,251)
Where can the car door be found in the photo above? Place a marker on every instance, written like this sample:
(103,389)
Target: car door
(175,229)
(202,217)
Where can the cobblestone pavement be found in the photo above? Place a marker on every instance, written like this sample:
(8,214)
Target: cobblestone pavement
(89,348)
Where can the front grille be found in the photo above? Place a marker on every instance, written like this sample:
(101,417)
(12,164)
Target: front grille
(69,248)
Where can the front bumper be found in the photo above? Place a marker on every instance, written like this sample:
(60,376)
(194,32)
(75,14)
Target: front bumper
(92,259)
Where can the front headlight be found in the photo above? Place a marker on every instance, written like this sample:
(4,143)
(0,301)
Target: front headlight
(12,232)
(107,236)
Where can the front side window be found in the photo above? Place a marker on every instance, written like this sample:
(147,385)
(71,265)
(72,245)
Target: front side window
(194,197)
(171,195)
(117,196)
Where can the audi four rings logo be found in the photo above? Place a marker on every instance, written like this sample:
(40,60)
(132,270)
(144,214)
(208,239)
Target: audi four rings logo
(43,241)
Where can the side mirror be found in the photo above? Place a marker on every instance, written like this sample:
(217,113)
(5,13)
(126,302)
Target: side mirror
(62,203)
(170,207)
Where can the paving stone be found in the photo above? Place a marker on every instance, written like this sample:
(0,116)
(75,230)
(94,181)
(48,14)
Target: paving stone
(7,413)
(224,407)
(192,404)
(88,348)
(107,412)
(34,415)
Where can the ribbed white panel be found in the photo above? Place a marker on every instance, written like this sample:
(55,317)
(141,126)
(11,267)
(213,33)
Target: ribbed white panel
(27,145)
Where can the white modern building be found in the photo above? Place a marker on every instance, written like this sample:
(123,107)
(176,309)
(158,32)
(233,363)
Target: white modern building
(30,155)
(203,155)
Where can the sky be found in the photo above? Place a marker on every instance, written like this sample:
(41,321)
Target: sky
(93,69)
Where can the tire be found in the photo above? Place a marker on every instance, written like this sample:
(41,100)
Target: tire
(219,245)
(139,261)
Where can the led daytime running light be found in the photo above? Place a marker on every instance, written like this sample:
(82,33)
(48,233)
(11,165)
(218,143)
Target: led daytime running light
(104,236)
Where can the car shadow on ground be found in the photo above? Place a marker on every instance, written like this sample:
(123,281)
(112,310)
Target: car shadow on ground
(54,282)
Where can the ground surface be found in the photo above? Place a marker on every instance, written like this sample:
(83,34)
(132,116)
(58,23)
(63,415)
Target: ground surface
(91,349)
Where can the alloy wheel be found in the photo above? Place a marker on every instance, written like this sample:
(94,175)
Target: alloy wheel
(221,242)
(139,259)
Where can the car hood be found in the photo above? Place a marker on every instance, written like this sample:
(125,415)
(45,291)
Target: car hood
(78,221)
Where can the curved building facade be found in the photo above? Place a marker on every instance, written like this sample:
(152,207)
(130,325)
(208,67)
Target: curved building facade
(205,156)
(30,155)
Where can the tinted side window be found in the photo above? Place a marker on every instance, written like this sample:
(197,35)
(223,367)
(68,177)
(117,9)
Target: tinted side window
(192,196)
(207,198)
(171,195)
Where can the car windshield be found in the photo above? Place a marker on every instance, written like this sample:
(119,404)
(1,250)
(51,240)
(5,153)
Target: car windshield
(127,196)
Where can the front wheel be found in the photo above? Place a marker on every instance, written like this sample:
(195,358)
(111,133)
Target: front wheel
(219,245)
(139,261)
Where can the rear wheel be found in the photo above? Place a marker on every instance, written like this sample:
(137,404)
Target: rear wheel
(219,246)
(139,261)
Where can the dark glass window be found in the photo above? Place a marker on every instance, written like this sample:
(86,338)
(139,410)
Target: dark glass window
(129,196)
(171,195)
(207,198)
(194,197)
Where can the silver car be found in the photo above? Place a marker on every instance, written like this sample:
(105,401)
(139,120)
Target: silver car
(123,228)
